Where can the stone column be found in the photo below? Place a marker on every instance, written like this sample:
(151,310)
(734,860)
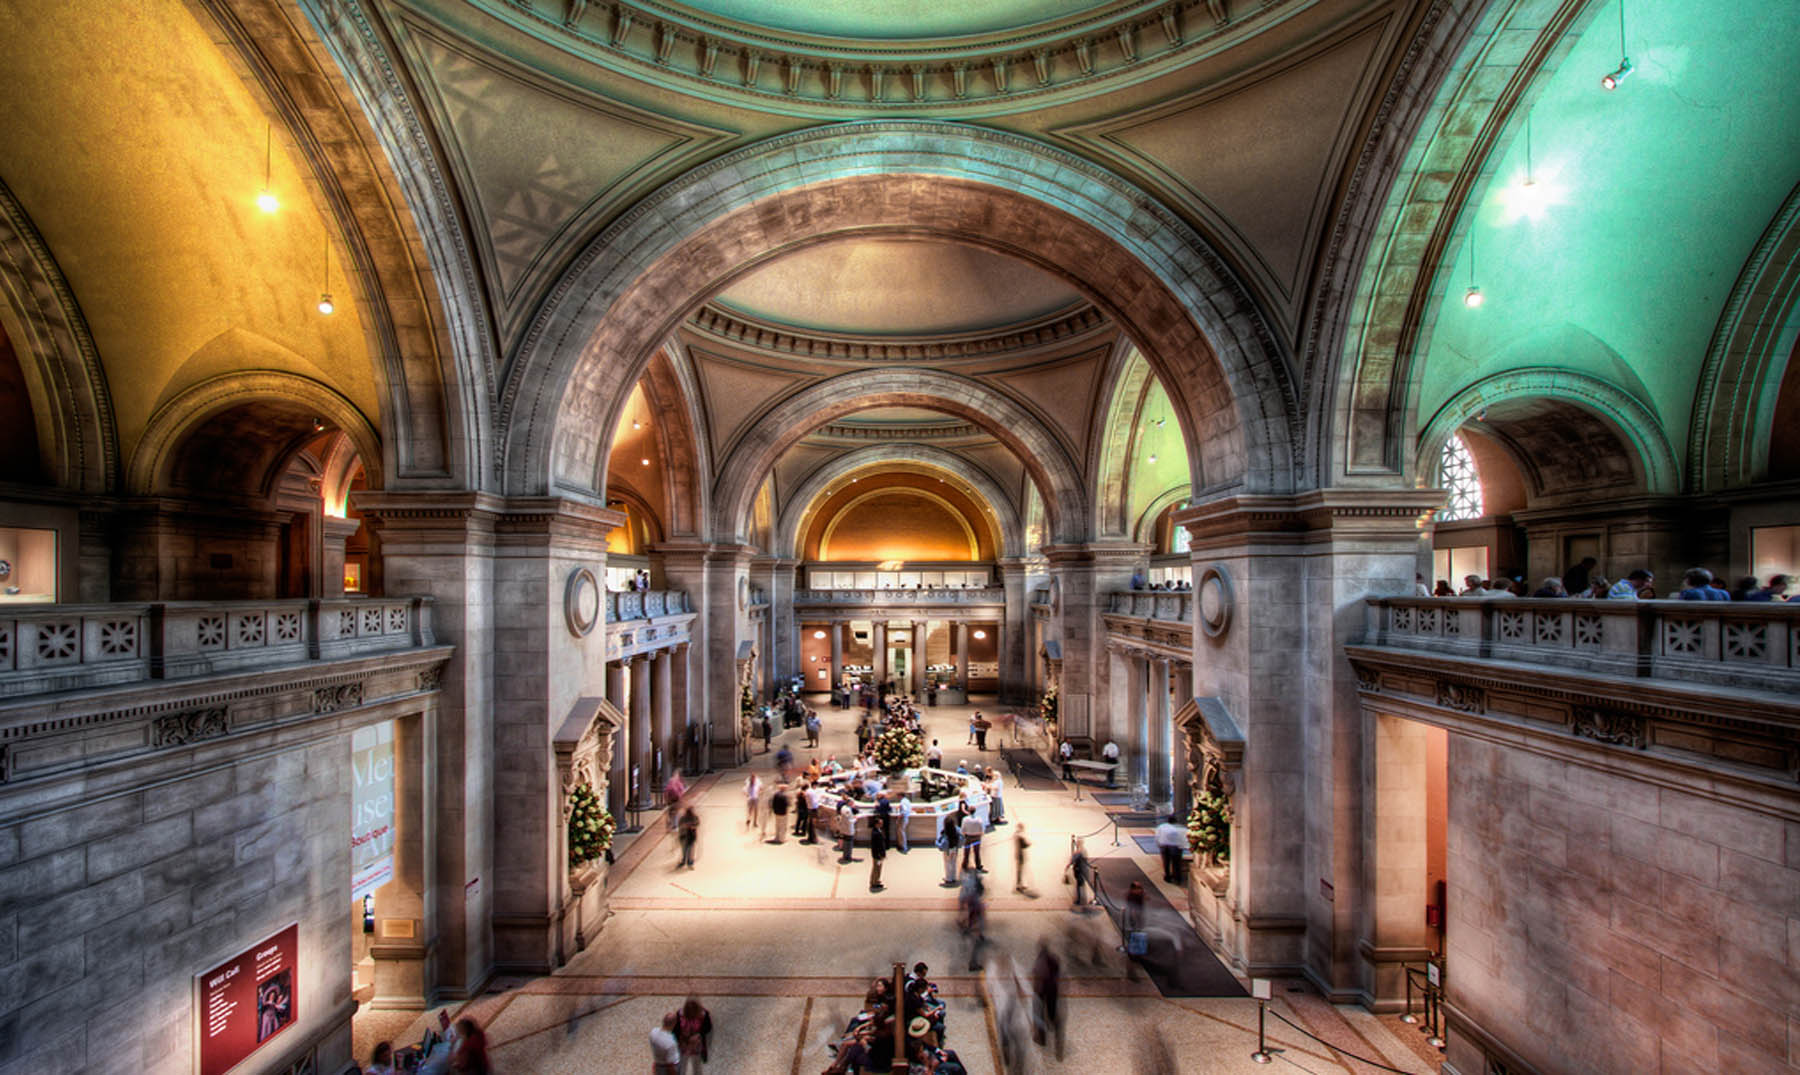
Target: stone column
(961,639)
(878,659)
(335,533)
(1161,740)
(837,653)
(710,573)
(1086,576)
(619,774)
(917,672)
(686,737)
(643,755)
(1297,568)
(1011,643)
(1183,676)
(1136,698)
(667,747)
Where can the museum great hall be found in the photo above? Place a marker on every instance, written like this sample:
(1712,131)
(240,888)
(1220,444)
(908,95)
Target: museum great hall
(431,424)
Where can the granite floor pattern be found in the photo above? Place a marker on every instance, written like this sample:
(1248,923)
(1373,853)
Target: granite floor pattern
(780,942)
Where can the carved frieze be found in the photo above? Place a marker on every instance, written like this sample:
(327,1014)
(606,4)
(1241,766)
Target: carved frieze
(1609,726)
(1368,679)
(430,679)
(191,726)
(337,696)
(1461,697)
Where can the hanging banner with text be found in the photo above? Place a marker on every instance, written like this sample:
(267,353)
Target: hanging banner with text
(372,808)
(247,1000)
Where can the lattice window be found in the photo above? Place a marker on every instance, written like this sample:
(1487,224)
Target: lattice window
(1428,621)
(1452,623)
(1403,620)
(58,641)
(1587,631)
(346,622)
(118,638)
(251,629)
(1746,642)
(1549,629)
(371,621)
(396,619)
(6,645)
(1512,626)
(1458,477)
(1681,638)
(212,632)
(287,627)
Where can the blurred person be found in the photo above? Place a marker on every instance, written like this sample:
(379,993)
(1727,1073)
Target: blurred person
(1697,585)
(1473,586)
(1776,590)
(1046,986)
(778,810)
(972,832)
(1020,845)
(1078,867)
(470,1057)
(1420,587)
(687,831)
(949,840)
(1632,587)
(693,1032)
(972,915)
(1444,589)
(1744,588)
(878,848)
(1067,753)
(381,1061)
(903,815)
(752,801)
(1576,579)
(1551,587)
(665,1051)
(1154,1057)
(1172,844)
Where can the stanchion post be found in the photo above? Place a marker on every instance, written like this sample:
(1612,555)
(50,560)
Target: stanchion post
(1434,979)
(1407,973)
(1260,989)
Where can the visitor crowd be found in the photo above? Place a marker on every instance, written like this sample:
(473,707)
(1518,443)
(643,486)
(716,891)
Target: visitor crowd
(1580,581)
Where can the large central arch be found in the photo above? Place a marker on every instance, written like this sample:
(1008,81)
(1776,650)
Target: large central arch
(634,283)
(789,525)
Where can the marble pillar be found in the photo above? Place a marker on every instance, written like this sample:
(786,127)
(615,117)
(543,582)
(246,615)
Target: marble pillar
(1162,744)
(836,630)
(643,753)
(618,777)
(962,654)
(916,662)
(1137,699)
(879,662)
(662,714)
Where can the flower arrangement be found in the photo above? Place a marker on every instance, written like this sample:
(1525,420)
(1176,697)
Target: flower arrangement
(1047,704)
(591,826)
(899,748)
(1209,827)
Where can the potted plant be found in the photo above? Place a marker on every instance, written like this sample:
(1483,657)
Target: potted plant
(591,826)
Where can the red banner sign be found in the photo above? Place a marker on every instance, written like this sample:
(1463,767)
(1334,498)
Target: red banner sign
(247,1000)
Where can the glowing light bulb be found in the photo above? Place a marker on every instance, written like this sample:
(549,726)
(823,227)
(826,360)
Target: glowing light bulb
(267,201)
(1623,72)
(646,462)
(325,304)
(1473,298)
(1153,457)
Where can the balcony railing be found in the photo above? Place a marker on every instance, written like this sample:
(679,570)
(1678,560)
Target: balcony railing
(46,648)
(931,595)
(1736,643)
(645,604)
(1152,604)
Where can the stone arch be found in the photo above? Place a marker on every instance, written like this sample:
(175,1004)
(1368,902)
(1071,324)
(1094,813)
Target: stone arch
(1734,402)
(277,394)
(673,397)
(1126,385)
(1045,458)
(791,524)
(1144,531)
(622,296)
(1433,144)
(1626,418)
(56,352)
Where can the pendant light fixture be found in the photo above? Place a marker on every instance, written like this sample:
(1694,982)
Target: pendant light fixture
(326,306)
(1472,298)
(1623,71)
(265,199)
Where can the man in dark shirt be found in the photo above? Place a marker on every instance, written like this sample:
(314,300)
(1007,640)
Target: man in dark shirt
(1575,580)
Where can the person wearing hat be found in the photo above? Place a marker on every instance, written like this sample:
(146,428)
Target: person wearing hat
(920,1030)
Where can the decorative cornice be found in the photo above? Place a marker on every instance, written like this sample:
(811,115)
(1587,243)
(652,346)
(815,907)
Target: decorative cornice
(697,52)
(746,331)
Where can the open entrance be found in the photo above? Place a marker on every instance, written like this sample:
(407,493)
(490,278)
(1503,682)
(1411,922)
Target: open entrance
(1411,851)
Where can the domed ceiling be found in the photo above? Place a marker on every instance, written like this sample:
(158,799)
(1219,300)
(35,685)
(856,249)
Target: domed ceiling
(897,287)
(892,19)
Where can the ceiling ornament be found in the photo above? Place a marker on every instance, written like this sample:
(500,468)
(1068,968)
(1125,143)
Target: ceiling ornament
(681,45)
(718,322)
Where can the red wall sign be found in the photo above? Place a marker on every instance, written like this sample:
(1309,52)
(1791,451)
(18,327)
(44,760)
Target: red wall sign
(247,1000)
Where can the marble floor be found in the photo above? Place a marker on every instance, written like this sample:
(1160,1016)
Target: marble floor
(780,943)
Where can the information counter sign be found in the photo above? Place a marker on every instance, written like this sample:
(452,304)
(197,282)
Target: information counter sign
(246,1000)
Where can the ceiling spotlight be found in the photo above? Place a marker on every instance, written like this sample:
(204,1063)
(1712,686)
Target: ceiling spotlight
(1153,457)
(266,199)
(1160,421)
(646,462)
(1623,71)
(980,634)
(318,425)
(1481,415)
(1472,297)
(818,634)
(325,304)
(637,425)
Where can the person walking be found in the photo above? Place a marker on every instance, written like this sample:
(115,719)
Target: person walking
(878,847)
(812,728)
(1046,983)
(1020,845)
(778,808)
(752,801)
(768,732)
(693,1032)
(1171,841)
(934,755)
(1067,753)
(949,839)
(904,812)
(665,1051)
(805,821)
(973,717)
(846,832)
(980,726)
(972,832)
(688,831)
(1078,866)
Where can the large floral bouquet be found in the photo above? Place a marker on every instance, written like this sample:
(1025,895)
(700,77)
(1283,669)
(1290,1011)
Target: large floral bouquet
(1047,706)
(899,748)
(1209,827)
(591,827)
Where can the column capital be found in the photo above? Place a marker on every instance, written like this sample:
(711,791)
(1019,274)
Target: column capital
(1299,517)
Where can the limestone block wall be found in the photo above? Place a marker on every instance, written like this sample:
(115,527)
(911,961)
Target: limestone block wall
(108,909)
(1602,923)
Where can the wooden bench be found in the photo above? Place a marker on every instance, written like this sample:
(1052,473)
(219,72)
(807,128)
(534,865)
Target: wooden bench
(1110,768)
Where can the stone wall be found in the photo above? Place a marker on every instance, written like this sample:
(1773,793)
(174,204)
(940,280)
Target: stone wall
(108,910)
(1630,927)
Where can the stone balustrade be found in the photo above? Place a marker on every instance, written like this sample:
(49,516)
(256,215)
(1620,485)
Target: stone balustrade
(1152,604)
(1731,643)
(939,595)
(50,648)
(645,605)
